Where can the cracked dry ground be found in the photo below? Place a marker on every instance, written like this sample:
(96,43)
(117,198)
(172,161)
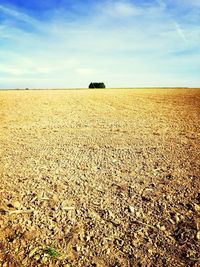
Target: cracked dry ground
(100,178)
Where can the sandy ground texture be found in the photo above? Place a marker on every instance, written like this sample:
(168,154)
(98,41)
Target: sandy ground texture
(103,178)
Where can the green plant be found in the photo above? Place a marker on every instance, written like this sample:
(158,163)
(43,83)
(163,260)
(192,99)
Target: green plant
(52,252)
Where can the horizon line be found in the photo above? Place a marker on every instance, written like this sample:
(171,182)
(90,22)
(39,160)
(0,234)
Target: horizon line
(86,88)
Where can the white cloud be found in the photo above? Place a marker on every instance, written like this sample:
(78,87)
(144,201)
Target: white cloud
(18,15)
(120,9)
(180,31)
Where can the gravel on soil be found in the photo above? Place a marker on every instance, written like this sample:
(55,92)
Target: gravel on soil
(103,178)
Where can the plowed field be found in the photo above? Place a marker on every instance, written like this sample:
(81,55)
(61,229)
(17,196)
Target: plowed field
(103,178)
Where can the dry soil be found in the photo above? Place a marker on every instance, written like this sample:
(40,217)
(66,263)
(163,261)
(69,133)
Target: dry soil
(103,178)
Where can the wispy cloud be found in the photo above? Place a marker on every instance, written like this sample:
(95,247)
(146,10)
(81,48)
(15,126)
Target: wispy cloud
(162,4)
(180,31)
(19,16)
(120,9)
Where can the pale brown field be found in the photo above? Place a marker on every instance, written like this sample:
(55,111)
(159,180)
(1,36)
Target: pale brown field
(106,177)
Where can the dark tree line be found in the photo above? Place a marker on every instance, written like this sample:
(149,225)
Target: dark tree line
(97,85)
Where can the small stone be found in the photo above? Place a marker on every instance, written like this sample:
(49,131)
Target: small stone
(24,261)
(116,222)
(171,221)
(131,209)
(68,208)
(162,228)
(55,198)
(137,214)
(78,248)
(87,238)
(147,194)
(158,225)
(108,251)
(16,204)
(32,252)
(44,260)
(198,235)
(150,251)
(196,207)
(1,223)
(111,214)
(177,218)
(37,257)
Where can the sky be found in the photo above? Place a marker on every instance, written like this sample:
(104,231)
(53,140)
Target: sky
(123,43)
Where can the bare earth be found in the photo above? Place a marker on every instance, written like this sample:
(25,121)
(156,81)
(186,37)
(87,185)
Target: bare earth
(100,178)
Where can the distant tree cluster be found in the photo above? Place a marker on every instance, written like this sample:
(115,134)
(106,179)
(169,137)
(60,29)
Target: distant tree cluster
(97,85)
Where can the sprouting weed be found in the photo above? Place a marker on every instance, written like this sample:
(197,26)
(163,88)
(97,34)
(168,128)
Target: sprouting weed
(52,252)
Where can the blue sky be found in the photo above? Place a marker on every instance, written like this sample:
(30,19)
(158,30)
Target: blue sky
(124,43)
